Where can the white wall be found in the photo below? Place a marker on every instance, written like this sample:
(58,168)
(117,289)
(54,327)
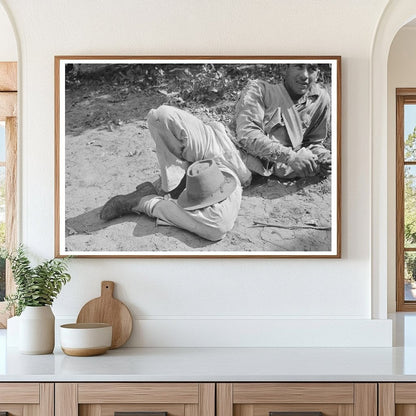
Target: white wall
(203,302)
(401,74)
(8,46)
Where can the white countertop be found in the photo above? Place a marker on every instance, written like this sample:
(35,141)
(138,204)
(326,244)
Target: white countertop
(221,364)
(215,364)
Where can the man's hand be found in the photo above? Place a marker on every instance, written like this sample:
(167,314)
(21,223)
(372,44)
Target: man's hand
(324,163)
(303,162)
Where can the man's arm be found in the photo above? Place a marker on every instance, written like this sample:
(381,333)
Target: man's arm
(317,132)
(318,128)
(250,113)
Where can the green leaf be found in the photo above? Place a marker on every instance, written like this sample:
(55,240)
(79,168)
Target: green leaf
(35,286)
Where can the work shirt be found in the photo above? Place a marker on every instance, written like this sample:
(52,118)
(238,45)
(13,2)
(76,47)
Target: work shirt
(268,126)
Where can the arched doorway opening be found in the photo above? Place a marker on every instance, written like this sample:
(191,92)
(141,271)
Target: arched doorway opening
(396,15)
(401,123)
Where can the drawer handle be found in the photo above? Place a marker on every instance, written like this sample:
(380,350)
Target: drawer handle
(295,414)
(139,414)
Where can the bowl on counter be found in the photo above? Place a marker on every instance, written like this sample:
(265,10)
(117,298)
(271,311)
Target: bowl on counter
(84,340)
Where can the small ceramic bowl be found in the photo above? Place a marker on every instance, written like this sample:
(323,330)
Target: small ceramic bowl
(83,340)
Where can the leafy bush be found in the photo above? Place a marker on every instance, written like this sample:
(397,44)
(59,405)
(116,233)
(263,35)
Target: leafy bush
(206,83)
(119,93)
(35,286)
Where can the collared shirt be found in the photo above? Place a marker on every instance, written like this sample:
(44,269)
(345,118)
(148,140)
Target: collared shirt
(261,129)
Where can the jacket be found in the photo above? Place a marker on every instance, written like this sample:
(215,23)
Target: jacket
(269,126)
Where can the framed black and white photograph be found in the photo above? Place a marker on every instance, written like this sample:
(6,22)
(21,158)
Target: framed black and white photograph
(198,156)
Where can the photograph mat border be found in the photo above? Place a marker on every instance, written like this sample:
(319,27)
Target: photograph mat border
(334,61)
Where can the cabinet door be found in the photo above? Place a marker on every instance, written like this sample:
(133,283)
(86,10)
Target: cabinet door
(297,399)
(26,399)
(142,399)
(397,399)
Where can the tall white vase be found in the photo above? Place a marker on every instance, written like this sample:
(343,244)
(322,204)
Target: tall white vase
(37,330)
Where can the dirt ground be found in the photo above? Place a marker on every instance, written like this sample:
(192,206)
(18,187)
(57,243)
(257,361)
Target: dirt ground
(109,151)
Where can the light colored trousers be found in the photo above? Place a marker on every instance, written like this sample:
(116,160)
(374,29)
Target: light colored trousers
(182,139)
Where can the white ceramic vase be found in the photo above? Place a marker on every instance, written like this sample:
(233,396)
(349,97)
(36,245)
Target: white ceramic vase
(37,330)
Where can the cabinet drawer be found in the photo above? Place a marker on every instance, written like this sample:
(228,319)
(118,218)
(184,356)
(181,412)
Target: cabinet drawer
(21,399)
(309,399)
(19,393)
(138,393)
(148,399)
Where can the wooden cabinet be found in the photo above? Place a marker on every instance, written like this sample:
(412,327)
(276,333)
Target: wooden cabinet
(106,399)
(208,399)
(264,399)
(27,399)
(397,399)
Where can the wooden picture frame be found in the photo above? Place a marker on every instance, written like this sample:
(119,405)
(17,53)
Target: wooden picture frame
(8,116)
(104,148)
(405,289)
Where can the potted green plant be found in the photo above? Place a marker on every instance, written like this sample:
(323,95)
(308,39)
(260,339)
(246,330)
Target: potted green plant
(36,289)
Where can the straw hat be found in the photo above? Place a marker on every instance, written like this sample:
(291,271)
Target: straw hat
(206,185)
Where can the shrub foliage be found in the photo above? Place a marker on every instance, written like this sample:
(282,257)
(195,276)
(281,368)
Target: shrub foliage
(35,285)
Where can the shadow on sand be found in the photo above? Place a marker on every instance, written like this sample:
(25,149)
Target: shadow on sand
(90,222)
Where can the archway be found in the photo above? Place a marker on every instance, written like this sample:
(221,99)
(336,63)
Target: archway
(8,46)
(396,15)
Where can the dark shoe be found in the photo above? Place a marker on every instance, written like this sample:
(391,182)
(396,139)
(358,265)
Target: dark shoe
(123,204)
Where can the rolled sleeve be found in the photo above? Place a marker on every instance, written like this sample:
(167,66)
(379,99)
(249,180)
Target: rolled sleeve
(250,125)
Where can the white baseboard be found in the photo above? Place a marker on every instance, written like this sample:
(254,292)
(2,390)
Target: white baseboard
(261,333)
(212,332)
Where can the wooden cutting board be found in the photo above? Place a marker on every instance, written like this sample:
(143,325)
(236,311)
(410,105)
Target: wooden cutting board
(109,310)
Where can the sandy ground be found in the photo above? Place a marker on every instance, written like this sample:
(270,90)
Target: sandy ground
(115,154)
